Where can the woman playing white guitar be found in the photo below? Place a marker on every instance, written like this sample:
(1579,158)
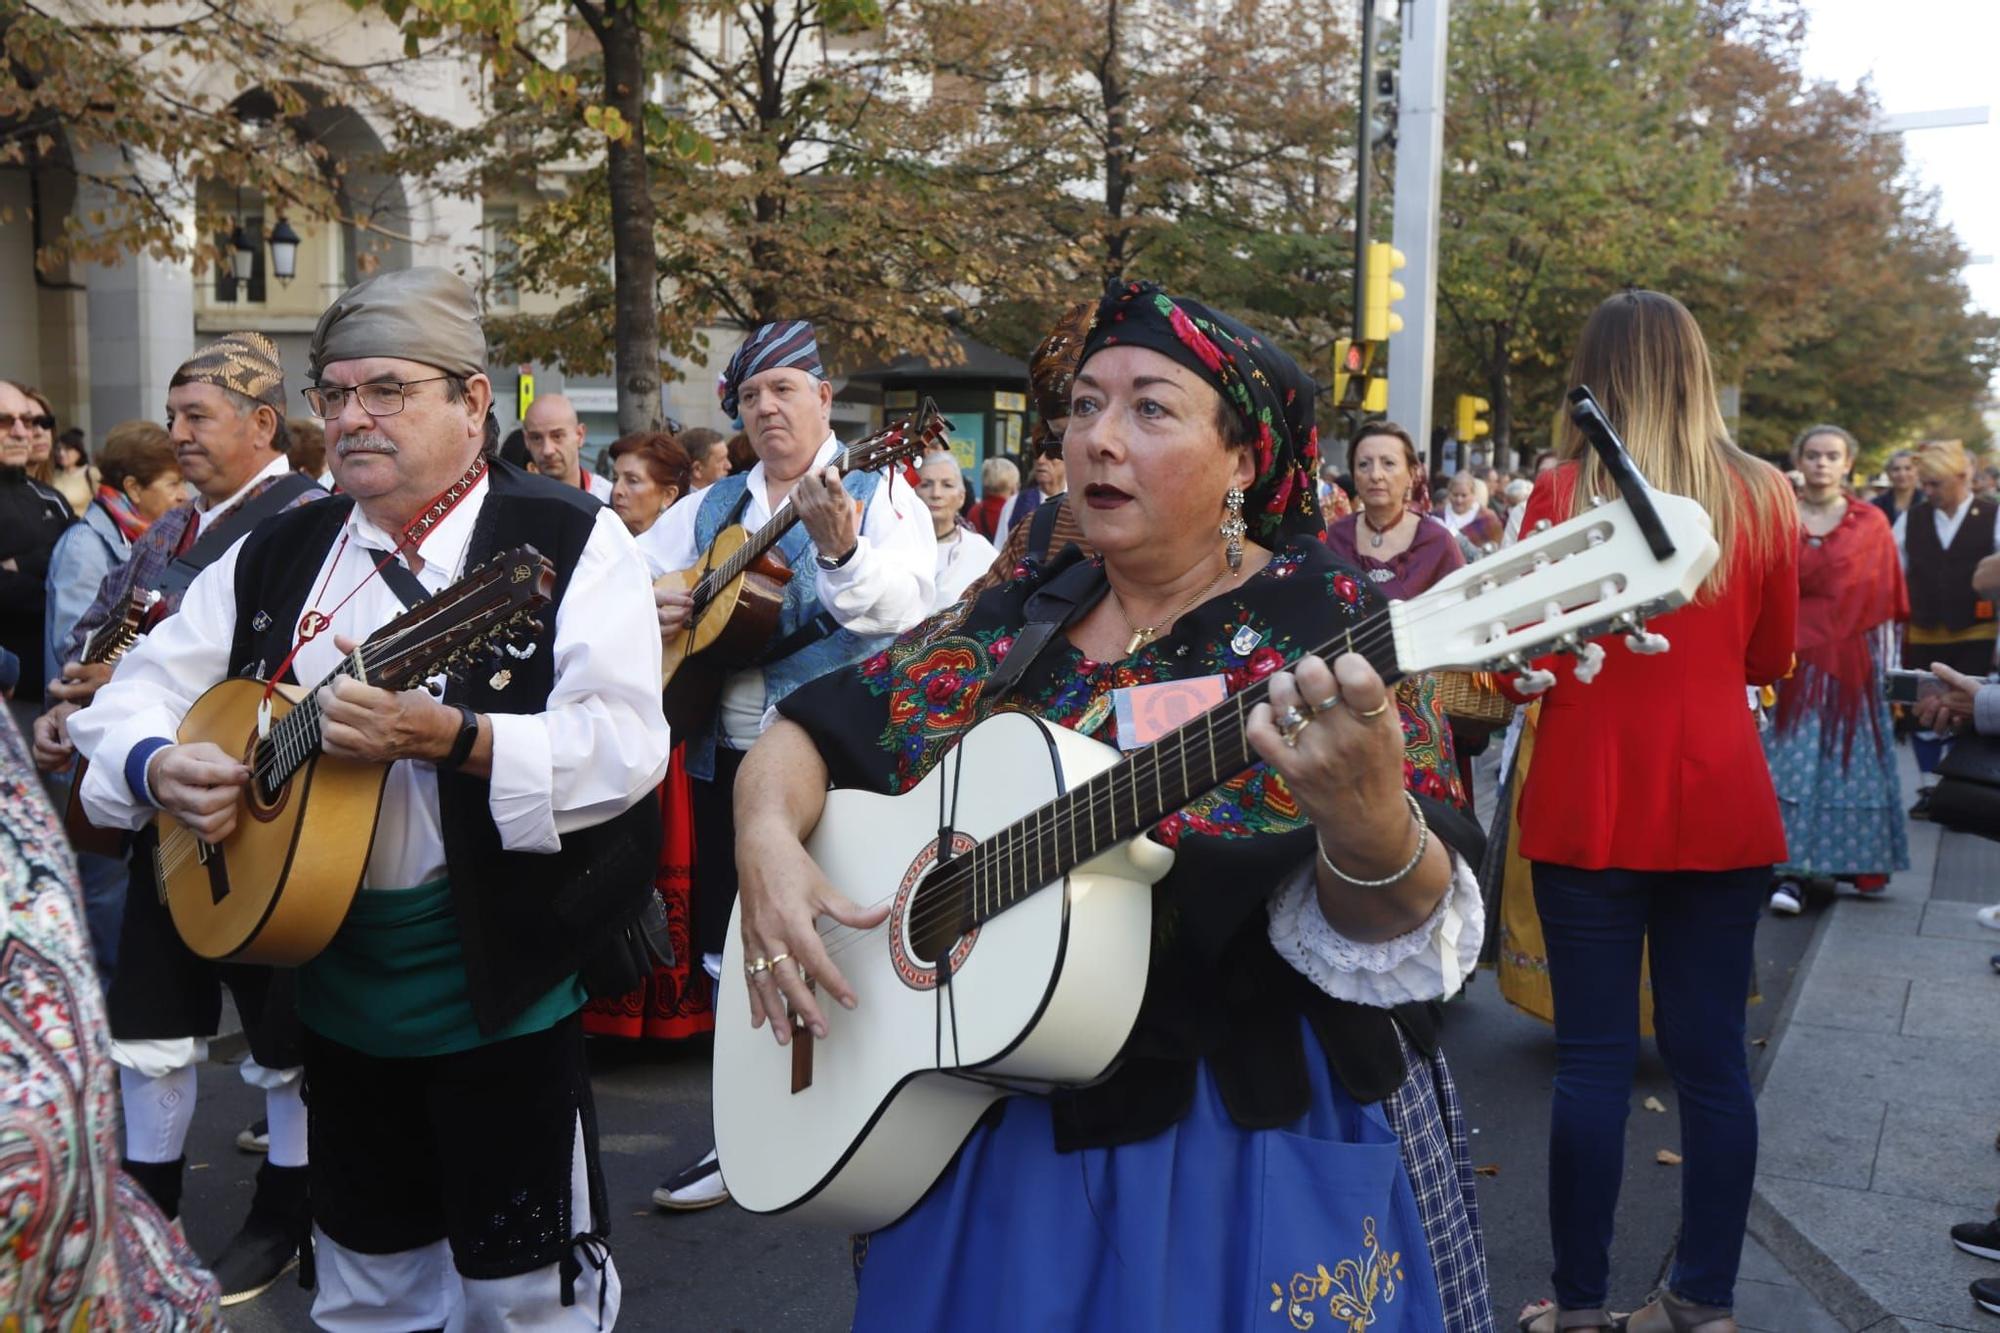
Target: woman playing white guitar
(1279,1142)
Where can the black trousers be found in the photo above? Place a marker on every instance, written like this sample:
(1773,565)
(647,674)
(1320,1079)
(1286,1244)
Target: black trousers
(715,850)
(164,990)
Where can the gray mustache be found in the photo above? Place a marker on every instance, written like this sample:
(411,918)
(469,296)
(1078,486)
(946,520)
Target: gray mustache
(363,444)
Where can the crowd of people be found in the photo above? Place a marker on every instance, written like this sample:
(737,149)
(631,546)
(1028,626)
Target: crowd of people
(551,860)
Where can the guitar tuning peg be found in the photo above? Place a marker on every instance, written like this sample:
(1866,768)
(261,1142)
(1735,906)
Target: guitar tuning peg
(1541,525)
(1597,502)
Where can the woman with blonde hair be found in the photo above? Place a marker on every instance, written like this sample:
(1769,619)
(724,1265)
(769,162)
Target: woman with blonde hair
(1651,823)
(1943,537)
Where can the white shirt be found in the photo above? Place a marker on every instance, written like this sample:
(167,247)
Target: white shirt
(1948,525)
(886,587)
(598,486)
(961,558)
(599,746)
(206,514)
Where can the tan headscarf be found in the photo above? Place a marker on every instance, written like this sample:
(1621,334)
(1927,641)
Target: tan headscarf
(414,314)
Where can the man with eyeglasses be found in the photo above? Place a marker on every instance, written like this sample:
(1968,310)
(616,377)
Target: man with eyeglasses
(554,436)
(226,421)
(454,1165)
(32,517)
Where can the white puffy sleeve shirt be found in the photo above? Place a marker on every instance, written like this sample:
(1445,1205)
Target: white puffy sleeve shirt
(1428,963)
(598,745)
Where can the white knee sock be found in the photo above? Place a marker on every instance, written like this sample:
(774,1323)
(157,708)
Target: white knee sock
(158,1113)
(286,1112)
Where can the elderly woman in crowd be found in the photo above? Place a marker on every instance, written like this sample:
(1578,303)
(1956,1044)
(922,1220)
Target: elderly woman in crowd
(139,479)
(649,471)
(999,481)
(1832,750)
(1282,1111)
(1467,512)
(962,554)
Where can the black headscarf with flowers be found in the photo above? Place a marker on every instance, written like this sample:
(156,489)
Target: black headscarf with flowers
(1259,382)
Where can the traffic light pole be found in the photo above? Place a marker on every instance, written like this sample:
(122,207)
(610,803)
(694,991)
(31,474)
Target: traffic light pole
(1419,161)
(1364,156)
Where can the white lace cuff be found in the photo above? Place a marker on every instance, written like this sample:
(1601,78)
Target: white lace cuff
(1427,963)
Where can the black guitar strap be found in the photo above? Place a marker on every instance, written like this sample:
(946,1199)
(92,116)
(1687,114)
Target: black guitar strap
(174,580)
(408,588)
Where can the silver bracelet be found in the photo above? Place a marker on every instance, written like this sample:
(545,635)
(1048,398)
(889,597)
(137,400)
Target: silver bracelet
(1416,857)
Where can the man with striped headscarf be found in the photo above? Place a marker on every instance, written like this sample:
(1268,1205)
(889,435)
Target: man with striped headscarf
(866,563)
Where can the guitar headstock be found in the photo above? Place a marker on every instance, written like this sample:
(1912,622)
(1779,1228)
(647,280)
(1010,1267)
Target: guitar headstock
(1559,587)
(492,605)
(903,442)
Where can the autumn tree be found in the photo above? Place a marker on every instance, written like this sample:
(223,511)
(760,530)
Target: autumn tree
(1207,147)
(141,106)
(1573,167)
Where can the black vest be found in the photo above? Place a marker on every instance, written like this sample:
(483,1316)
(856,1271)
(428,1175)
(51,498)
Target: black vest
(526,920)
(1940,577)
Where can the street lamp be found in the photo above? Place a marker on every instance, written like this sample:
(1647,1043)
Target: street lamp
(242,253)
(284,251)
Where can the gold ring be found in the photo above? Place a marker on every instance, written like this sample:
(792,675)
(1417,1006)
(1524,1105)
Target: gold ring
(1292,724)
(781,958)
(1376,711)
(762,964)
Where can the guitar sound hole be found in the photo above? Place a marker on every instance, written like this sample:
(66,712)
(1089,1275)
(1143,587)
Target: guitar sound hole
(936,922)
(264,799)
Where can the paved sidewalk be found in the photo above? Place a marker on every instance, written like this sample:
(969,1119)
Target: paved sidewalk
(1879,1107)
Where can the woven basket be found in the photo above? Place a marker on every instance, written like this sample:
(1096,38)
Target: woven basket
(1472,695)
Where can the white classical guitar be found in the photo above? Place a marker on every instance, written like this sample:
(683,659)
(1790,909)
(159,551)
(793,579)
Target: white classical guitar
(1041,914)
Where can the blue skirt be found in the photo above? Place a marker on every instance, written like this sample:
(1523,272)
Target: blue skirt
(1842,802)
(1205,1227)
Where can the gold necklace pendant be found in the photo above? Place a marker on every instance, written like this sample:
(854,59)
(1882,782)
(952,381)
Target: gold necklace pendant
(1139,639)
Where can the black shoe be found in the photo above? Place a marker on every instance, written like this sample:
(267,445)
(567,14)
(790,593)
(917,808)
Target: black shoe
(696,1186)
(255,1137)
(268,1244)
(162,1183)
(1986,1294)
(1980,1238)
(1922,809)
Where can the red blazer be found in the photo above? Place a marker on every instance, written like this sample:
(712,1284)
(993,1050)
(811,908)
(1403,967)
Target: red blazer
(984,514)
(1656,764)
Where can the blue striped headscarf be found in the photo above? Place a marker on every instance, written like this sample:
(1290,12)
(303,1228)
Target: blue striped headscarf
(787,342)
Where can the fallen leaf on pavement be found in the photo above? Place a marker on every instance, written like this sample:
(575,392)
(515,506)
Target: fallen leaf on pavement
(1760,1041)
(1654,1104)
(1667,1157)
(1485,1170)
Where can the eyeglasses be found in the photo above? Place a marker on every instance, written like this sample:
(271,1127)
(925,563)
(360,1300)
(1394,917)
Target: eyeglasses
(8,419)
(379,399)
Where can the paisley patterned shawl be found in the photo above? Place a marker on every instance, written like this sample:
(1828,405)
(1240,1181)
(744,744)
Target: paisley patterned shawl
(85,1248)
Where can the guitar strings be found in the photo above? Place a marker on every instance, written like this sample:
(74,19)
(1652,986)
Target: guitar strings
(958,887)
(179,842)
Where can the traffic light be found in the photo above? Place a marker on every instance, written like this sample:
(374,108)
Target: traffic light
(1378,320)
(1470,426)
(1350,372)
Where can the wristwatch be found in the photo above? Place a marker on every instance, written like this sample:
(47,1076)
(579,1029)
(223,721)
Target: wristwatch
(828,564)
(468,736)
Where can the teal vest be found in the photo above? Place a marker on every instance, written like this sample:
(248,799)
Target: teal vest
(833,646)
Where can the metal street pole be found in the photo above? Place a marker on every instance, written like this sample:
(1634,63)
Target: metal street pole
(1364,152)
(1419,162)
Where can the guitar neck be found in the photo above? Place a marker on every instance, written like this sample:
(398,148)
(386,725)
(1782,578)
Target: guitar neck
(295,737)
(1135,794)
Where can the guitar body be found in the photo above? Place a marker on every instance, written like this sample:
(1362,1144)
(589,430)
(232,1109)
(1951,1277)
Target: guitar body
(1044,993)
(738,620)
(280,884)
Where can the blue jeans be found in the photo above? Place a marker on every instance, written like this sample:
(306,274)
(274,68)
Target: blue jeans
(1700,925)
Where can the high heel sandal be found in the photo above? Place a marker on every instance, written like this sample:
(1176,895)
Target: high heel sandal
(1665,1312)
(1564,1321)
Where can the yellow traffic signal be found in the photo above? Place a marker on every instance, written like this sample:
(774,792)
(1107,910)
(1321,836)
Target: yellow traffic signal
(1382,292)
(1470,427)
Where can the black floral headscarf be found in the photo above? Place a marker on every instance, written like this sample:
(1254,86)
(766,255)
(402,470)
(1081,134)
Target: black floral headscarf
(1259,382)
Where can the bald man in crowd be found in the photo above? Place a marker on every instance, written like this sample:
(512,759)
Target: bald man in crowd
(554,437)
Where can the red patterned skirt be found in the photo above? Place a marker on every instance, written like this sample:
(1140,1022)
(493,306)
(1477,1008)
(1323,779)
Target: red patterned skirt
(675,1002)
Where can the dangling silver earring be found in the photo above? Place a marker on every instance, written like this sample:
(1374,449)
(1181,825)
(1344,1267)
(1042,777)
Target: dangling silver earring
(1233,527)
